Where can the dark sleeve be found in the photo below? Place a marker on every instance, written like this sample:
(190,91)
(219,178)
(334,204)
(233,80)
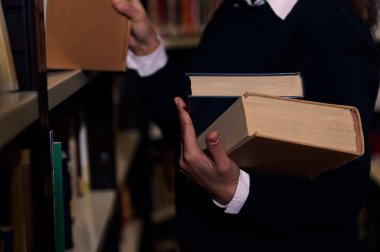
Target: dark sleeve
(158,92)
(332,200)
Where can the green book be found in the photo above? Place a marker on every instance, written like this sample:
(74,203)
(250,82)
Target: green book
(58,197)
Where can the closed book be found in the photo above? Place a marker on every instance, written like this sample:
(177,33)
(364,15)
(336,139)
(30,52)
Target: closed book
(290,137)
(229,84)
(86,34)
(213,93)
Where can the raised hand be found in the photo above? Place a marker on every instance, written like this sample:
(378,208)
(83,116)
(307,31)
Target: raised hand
(214,171)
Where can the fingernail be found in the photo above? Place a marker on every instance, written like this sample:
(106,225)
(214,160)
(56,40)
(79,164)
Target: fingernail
(213,137)
(214,140)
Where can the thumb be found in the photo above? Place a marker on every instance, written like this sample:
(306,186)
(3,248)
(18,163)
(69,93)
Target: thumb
(215,148)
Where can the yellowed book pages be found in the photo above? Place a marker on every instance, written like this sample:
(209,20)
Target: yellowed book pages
(279,84)
(8,79)
(288,136)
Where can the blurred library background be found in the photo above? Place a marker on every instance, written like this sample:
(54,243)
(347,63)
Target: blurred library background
(82,168)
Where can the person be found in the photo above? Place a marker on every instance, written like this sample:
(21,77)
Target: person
(223,207)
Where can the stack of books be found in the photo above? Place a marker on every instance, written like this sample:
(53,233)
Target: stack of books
(264,124)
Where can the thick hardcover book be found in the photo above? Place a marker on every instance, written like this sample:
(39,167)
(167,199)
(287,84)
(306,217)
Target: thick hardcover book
(227,84)
(213,93)
(288,136)
(86,34)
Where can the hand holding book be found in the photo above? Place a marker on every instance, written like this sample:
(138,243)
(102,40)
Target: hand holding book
(214,170)
(143,39)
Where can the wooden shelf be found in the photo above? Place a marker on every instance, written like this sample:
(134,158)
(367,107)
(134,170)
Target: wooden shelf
(18,110)
(92,214)
(63,84)
(181,42)
(126,146)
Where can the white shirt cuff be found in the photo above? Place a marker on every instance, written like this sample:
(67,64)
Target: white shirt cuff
(148,64)
(240,196)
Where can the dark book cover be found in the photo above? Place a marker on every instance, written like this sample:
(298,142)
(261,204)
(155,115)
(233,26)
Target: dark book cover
(204,110)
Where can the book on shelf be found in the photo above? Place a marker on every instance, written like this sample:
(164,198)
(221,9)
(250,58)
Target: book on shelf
(8,79)
(285,136)
(89,35)
(58,197)
(15,200)
(22,205)
(213,93)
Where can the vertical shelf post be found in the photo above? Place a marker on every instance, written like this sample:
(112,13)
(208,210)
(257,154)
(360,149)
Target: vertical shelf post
(42,170)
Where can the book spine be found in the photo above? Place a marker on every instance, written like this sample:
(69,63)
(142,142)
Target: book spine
(58,197)
(180,17)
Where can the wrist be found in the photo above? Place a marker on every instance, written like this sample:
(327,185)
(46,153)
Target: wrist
(227,194)
(240,197)
(147,47)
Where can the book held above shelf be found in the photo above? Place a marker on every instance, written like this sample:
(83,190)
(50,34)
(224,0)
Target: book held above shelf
(88,35)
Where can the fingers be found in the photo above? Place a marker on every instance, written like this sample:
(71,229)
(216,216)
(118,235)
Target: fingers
(216,151)
(127,8)
(188,132)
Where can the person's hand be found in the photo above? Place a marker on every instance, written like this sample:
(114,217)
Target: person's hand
(215,172)
(143,39)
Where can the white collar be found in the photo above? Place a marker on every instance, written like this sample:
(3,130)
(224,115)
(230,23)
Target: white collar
(281,8)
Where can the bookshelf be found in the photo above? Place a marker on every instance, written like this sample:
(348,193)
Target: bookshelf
(63,84)
(27,117)
(180,22)
(18,110)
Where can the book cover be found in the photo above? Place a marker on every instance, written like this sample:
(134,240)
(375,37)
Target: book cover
(206,109)
(88,35)
(287,136)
